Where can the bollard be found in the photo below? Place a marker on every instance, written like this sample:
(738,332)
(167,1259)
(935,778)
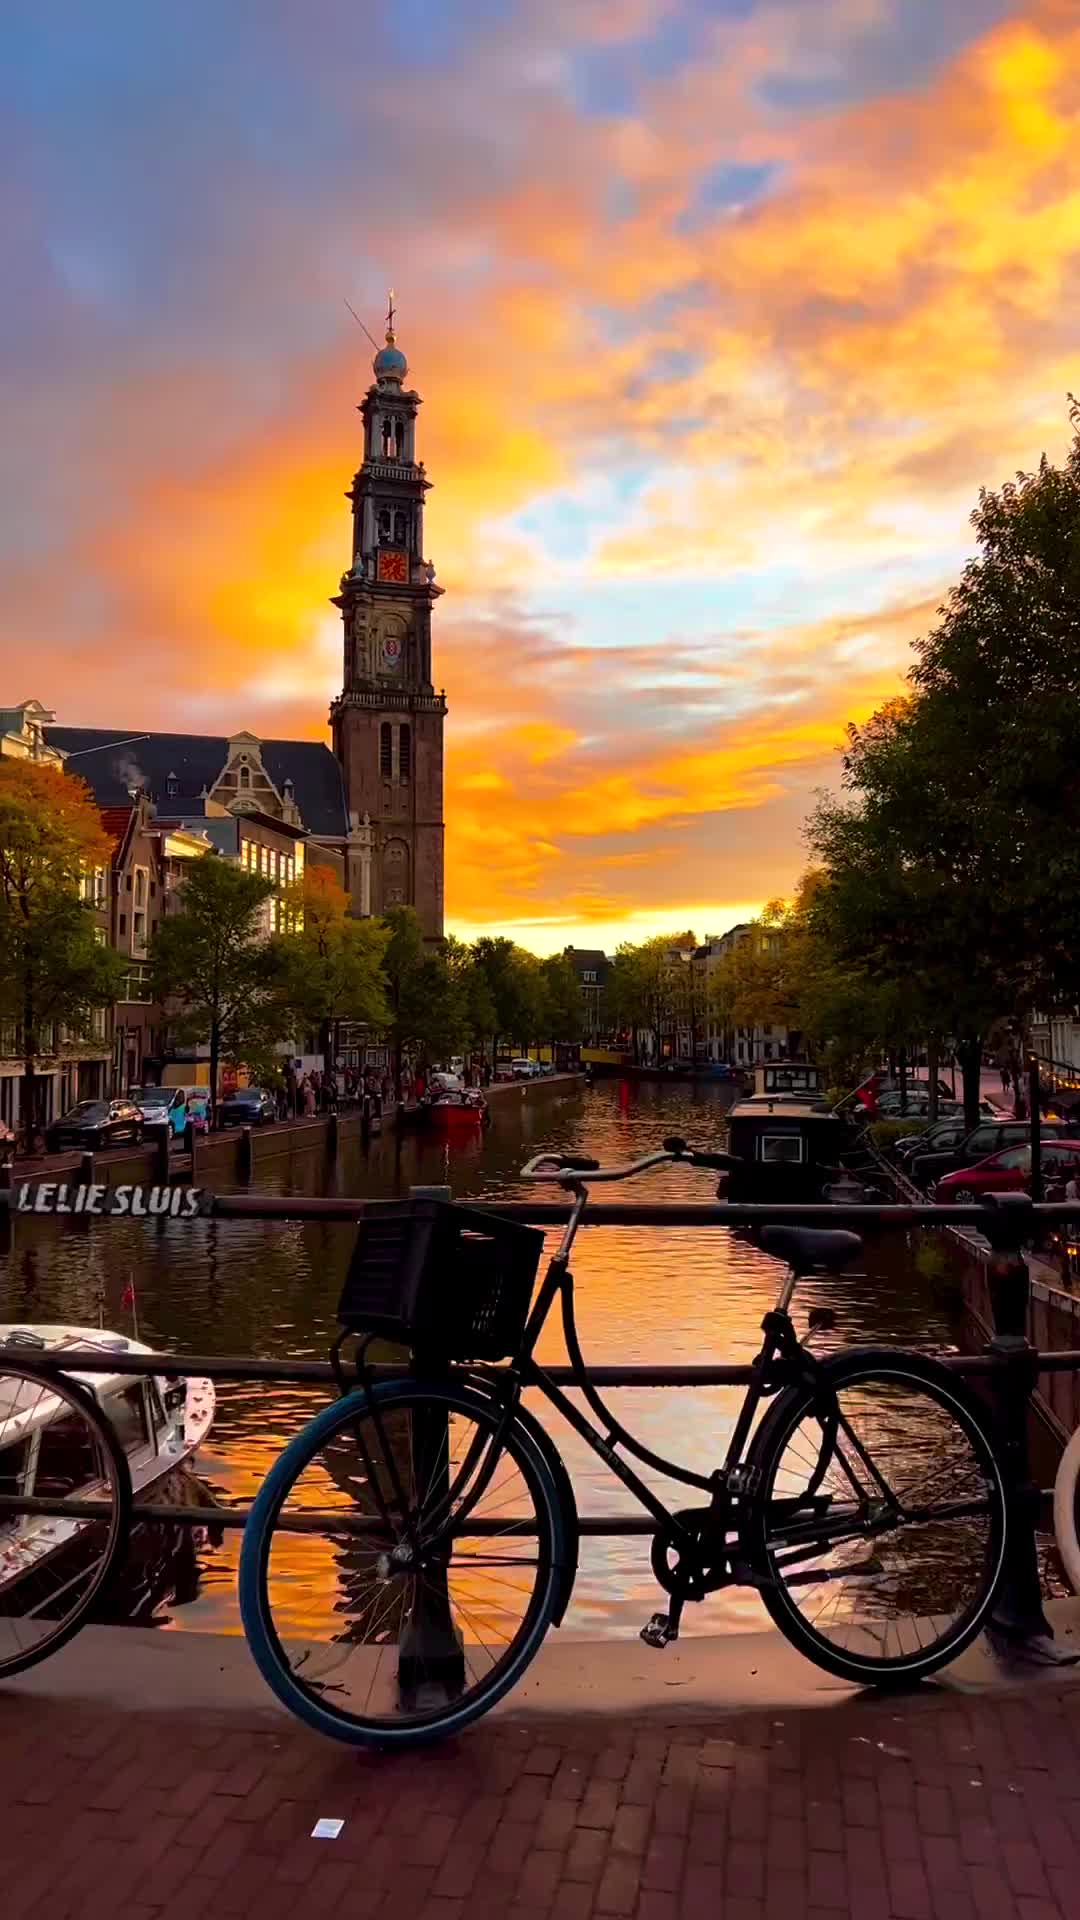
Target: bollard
(161,1134)
(1018,1622)
(245,1153)
(332,1134)
(431,1652)
(86,1175)
(189,1144)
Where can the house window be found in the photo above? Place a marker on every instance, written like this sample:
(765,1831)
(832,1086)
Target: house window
(123,925)
(589,979)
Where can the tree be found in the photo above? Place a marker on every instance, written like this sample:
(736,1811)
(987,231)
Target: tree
(562,1014)
(330,967)
(55,971)
(215,970)
(425,1005)
(505,973)
(474,995)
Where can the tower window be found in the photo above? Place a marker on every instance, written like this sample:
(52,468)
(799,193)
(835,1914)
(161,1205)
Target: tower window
(386,750)
(399,438)
(400,529)
(405,752)
(387,429)
(385,526)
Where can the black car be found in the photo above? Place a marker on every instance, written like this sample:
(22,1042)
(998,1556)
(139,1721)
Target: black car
(990,1137)
(247,1107)
(95,1123)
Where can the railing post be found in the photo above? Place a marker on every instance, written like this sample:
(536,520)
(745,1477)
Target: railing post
(1035,1113)
(431,1651)
(1018,1623)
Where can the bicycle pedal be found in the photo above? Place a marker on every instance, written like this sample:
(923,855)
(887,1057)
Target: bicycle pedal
(659,1631)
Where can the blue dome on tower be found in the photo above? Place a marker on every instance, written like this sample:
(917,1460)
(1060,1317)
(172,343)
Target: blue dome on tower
(390,364)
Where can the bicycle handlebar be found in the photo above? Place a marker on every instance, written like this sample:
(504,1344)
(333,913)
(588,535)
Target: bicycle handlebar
(574,1169)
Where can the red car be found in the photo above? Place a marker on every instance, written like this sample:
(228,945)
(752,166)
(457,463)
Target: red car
(1009,1172)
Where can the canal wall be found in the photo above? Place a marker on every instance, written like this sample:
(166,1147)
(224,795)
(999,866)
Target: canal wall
(221,1159)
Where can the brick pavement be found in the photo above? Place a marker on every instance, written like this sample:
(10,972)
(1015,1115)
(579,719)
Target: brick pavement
(945,1807)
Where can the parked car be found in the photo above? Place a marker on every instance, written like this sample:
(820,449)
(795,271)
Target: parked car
(1008,1172)
(891,1106)
(157,1104)
(247,1107)
(991,1136)
(95,1123)
(522,1069)
(939,1138)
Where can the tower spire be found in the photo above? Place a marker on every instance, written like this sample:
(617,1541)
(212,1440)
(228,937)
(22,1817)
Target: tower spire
(390,312)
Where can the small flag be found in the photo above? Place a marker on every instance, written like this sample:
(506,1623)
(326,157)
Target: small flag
(127,1298)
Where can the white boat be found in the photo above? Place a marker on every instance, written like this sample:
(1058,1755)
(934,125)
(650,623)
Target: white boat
(159,1423)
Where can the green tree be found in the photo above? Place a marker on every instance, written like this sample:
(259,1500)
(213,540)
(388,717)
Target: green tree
(511,989)
(562,1014)
(474,994)
(329,968)
(55,971)
(424,1002)
(214,969)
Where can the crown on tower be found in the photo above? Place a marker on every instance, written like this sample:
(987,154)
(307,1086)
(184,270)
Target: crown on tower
(390,365)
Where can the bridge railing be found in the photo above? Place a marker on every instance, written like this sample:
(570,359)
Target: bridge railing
(1009,1367)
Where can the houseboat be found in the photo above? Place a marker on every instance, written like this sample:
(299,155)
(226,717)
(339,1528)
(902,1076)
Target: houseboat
(159,1422)
(787,1141)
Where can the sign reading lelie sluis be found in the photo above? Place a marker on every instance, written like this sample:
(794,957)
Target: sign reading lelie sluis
(110,1203)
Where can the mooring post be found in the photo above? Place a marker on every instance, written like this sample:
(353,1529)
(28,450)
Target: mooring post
(85,1176)
(1018,1622)
(431,1652)
(332,1134)
(161,1133)
(245,1153)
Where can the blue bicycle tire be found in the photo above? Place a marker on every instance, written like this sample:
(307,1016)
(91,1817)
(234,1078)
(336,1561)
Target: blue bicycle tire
(256,1612)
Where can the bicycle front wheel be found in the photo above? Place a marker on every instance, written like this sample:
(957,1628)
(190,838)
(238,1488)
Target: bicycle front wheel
(878,1524)
(401,1563)
(55,1446)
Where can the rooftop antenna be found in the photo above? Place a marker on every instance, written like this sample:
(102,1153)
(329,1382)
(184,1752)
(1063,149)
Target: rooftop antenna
(360,324)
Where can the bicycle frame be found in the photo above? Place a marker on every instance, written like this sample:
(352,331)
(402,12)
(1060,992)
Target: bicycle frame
(782,1361)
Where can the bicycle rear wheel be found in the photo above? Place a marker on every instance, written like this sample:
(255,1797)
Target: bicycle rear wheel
(878,1525)
(55,1444)
(401,1563)
(1067,1511)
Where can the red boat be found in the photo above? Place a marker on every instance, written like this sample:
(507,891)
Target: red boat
(454,1107)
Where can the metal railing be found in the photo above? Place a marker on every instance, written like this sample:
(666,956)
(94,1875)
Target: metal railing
(1010,1366)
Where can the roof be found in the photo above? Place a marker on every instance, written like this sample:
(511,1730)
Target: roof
(116,821)
(113,759)
(587,959)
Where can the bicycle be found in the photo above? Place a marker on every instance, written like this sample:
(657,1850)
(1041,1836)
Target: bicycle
(56,1448)
(411,1546)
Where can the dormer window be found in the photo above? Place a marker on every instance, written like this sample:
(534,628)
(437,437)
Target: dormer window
(172,786)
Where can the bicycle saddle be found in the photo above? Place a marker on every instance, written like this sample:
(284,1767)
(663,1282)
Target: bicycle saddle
(805,1248)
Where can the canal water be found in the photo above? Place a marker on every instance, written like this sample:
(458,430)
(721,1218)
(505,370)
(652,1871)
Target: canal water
(643,1294)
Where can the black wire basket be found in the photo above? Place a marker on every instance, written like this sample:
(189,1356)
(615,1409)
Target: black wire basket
(443,1279)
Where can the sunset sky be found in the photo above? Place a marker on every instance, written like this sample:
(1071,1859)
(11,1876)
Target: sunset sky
(721,312)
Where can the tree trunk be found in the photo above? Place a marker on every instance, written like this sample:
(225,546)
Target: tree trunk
(932,1063)
(215,1054)
(903,1081)
(29,1085)
(399,1056)
(326,1040)
(970,1052)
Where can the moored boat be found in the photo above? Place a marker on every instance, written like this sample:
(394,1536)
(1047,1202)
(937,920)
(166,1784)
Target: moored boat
(159,1422)
(787,1142)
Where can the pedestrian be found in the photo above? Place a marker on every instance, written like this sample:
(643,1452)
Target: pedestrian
(1006,1077)
(309,1098)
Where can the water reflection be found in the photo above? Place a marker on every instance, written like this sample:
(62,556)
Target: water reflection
(271,1288)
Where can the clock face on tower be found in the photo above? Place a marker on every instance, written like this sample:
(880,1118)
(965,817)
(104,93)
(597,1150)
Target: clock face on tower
(393,566)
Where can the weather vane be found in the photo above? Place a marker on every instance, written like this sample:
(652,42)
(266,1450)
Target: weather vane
(390,311)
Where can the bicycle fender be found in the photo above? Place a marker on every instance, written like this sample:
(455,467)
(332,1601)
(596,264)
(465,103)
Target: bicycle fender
(567,1572)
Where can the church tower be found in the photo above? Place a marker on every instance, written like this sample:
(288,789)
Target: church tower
(388,720)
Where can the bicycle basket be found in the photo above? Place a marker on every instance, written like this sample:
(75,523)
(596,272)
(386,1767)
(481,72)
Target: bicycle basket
(448,1279)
